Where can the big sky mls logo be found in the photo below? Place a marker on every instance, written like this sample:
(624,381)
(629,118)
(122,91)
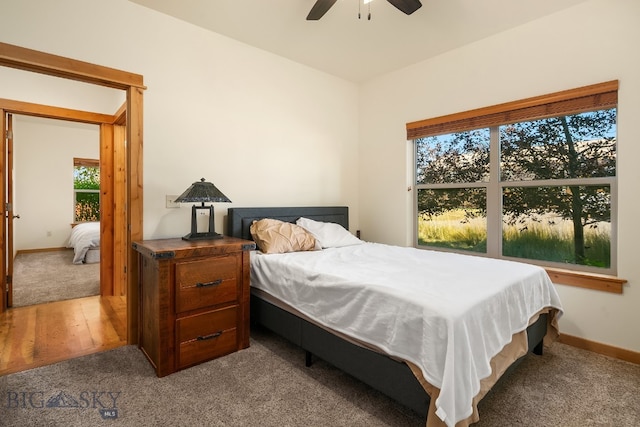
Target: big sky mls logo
(106,402)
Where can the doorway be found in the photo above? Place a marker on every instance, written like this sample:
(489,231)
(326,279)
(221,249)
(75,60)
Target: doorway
(122,221)
(55,203)
(112,155)
(55,225)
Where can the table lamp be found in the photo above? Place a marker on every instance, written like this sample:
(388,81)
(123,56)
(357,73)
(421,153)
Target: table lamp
(201,192)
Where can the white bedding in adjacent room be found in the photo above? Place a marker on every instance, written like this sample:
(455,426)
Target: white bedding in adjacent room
(447,313)
(84,236)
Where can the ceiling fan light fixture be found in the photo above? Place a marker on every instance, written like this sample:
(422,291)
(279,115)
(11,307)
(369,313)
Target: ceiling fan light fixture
(320,7)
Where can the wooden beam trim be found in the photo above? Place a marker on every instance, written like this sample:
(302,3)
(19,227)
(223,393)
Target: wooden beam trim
(107,183)
(134,178)
(49,112)
(564,95)
(580,279)
(120,117)
(3,221)
(58,66)
(89,163)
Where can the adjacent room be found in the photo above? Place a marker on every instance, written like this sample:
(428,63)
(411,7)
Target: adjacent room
(414,127)
(57,238)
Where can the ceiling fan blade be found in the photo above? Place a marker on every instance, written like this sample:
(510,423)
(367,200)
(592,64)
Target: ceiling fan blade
(406,6)
(319,9)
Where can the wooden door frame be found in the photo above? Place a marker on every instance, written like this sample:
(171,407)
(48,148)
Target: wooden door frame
(3,219)
(9,182)
(131,187)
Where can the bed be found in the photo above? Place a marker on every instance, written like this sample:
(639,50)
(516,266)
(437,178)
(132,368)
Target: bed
(85,241)
(421,377)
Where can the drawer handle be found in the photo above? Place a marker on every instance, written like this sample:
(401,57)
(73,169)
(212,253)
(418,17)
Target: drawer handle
(204,285)
(208,337)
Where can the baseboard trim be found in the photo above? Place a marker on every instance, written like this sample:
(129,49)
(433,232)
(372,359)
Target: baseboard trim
(600,348)
(33,251)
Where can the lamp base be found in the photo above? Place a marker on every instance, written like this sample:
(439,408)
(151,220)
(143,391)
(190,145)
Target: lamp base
(202,236)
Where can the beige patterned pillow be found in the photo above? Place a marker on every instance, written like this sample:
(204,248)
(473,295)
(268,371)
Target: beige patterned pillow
(276,237)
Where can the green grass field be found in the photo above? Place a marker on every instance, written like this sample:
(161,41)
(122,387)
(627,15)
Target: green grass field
(531,240)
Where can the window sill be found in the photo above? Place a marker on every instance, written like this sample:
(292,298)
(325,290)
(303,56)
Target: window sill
(599,282)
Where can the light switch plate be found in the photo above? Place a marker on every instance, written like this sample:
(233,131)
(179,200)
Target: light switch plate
(170,202)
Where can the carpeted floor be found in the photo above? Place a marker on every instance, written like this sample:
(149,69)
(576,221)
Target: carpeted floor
(268,385)
(42,277)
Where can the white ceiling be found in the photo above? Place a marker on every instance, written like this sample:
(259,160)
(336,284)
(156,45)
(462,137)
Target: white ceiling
(357,50)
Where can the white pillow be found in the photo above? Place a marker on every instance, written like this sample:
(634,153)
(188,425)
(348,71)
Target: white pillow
(329,234)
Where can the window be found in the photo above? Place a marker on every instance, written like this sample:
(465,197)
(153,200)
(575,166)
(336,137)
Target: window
(86,190)
(532,180)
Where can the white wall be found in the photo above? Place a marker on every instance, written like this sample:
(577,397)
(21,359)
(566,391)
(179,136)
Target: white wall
(589,43)
(43,178)
(263,129)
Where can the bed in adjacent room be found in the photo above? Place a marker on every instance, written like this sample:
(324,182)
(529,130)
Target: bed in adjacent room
(432,330)
(85,241)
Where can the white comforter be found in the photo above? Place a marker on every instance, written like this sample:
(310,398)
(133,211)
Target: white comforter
(84,236)
(447,313)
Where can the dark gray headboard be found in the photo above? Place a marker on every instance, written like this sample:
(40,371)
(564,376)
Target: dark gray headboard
(239,219)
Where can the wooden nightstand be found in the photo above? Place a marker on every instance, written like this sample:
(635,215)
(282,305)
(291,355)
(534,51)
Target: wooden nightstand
(194,300)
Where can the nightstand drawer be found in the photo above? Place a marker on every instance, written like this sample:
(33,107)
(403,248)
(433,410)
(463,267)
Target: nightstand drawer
(206,282)
(206,336)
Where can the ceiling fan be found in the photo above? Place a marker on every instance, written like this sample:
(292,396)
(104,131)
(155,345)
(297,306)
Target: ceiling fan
(322,6)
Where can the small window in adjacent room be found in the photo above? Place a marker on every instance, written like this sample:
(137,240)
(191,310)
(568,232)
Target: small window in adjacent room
(532,180)
(86,190)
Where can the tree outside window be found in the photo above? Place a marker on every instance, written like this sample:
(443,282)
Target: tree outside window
(86,189)
(569,223)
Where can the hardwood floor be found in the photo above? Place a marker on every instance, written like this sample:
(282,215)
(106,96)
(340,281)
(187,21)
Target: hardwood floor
(43,334)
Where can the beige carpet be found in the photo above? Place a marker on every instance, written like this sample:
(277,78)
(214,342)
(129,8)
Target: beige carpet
(268,385)
(42,277)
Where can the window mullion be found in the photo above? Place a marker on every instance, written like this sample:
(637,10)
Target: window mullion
(453,185)
(560,182)
(494,197)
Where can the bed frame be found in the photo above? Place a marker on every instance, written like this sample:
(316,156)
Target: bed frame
(379,371)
